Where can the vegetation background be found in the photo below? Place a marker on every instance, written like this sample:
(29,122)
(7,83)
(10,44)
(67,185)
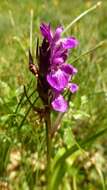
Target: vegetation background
(22,136)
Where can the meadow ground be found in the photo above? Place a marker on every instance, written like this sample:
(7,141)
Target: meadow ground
(22,135)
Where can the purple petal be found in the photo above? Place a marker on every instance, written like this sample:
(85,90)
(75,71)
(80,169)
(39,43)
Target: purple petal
(46,31)
(68,43)
(59,104)
(59,53)
(73,87)
(58,79)
(69,69)
(57,61)
(56,50)
(57,34)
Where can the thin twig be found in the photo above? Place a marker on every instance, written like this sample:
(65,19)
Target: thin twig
(35,108)
(30,107)
(29,97)
(22,98)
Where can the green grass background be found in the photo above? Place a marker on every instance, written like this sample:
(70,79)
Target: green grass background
(21,133)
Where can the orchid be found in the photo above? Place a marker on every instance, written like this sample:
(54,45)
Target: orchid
(54,73)
(59,73)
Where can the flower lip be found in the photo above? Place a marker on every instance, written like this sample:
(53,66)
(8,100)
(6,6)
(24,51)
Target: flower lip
(57,61)
(59,104)
(69,69)
(69,42)
(58,79)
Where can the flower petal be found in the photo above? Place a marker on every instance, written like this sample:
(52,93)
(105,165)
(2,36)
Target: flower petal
(57,34)
(69,69)
(58,79)
(73,87)
(58,52)
(59,104)
(46,32)
(57,61)
(68,43)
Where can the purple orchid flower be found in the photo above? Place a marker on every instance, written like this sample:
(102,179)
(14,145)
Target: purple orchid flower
(55,73)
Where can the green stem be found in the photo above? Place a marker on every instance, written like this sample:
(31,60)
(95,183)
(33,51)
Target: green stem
(48,144)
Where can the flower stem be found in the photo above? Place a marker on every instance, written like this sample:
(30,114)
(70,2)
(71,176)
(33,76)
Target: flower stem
(56,124)
(48,143)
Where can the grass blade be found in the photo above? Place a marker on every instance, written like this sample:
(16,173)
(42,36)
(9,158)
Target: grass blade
(82,15)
